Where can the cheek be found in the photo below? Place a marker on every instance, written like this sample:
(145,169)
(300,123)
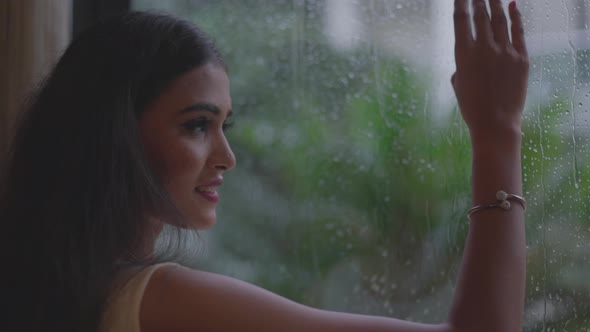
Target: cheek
(180,162)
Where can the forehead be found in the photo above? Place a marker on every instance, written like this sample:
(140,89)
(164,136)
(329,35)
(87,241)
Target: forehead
(205,84)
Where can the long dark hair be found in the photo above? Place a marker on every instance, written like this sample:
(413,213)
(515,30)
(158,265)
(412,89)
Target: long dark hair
(77,189)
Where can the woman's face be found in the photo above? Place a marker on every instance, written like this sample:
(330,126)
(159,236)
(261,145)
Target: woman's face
(183,134)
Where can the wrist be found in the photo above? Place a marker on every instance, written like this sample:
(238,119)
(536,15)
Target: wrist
(496,162)
(508,138)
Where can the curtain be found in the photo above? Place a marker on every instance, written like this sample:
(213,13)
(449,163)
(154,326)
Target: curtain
(33,33)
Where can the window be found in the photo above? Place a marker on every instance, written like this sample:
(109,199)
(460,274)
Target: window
(353,162)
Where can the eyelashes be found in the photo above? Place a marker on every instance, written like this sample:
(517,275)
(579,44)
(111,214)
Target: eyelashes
(196,126)
(203,124)
(227,125)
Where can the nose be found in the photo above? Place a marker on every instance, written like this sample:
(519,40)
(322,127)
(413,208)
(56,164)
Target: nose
(222,157)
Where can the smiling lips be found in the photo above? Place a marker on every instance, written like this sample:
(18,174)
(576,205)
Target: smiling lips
(206,189)
(208,192)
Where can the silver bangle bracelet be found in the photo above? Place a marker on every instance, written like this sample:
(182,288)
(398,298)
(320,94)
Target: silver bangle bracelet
(503,202)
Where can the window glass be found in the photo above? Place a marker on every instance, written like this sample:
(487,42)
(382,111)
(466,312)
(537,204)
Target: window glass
(352,183)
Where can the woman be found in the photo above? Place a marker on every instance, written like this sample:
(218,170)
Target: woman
(127,135)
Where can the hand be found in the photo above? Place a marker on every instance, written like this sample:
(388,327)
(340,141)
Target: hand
(492,72)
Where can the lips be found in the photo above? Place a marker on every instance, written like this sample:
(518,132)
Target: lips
(207,190)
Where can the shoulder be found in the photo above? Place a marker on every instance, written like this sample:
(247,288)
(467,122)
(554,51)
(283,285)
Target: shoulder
(123,305)
(180,299)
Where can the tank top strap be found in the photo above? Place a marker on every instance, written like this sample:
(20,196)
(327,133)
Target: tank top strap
(121,313)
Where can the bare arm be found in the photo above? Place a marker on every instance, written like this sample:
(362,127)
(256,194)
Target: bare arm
(490,84)
(178,299)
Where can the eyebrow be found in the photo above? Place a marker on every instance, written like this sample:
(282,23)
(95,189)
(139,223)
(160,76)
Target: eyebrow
(207,107)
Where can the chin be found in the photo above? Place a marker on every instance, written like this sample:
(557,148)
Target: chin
(203,226)
(204,222)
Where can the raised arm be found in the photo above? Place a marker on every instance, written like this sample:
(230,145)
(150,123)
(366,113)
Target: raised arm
(490,84)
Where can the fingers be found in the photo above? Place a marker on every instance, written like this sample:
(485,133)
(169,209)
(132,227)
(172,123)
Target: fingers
(488,30)
(499,26)
(463,35)
(481,20)
(517,30)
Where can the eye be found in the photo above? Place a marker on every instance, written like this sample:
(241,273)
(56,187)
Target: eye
(198,125)
(227,125)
